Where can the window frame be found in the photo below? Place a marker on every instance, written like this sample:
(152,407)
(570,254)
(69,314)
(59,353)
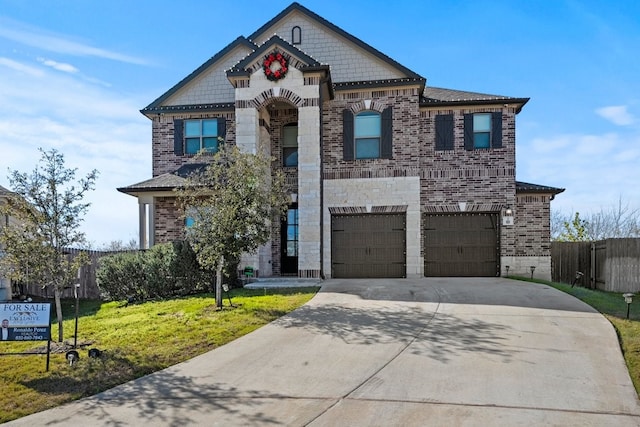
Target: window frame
(202,137)
(289,147)
(495,131)
(365,137)
(485,143)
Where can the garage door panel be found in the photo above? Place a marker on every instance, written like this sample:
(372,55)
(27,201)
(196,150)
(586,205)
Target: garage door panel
(371,245)
(461,244)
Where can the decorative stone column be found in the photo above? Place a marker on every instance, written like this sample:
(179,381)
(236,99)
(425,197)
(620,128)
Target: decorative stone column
(309,198)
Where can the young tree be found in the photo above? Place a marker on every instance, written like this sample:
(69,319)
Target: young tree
(575,230)
(232,202)
(47,210)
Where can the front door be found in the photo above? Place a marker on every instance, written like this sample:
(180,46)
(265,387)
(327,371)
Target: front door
(289,242)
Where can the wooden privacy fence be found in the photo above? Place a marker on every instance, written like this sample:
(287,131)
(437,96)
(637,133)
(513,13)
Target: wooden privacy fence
(609,265)
(88,286)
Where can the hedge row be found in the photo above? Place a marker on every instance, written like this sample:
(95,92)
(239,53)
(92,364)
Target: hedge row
(164,271)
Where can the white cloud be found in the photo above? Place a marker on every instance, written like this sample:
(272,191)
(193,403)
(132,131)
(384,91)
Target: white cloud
(91,125)
(18,66)
(41,39)
(616,114)
(60,66)
(595,170)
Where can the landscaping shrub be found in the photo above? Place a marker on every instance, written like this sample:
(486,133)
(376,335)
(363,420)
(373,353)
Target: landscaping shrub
(164,271)
(122,276)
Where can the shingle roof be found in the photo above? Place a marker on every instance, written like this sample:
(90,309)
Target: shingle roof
(525,187)
(435,96)
(165,182)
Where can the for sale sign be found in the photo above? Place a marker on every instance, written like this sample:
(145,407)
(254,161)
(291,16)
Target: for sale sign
(25,321)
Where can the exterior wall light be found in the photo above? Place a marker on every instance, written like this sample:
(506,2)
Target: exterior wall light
(628,298)
(507,218)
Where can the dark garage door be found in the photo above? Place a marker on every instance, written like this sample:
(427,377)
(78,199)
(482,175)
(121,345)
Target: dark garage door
(368,245)
(461,245)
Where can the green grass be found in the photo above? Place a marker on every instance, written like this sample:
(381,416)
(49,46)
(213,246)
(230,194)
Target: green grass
(136,340)
(614,308)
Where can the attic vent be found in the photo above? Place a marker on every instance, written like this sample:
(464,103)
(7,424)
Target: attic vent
(296,35)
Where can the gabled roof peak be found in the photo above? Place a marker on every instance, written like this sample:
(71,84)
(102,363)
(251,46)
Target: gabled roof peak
(265,47)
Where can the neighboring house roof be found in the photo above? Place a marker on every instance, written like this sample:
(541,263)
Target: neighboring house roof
(525,187)
(5,192)
(165,182)
(440,97)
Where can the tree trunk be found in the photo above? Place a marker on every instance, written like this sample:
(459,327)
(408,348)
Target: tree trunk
(56,294)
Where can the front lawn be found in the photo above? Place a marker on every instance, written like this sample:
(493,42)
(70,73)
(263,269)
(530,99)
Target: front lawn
(135,339)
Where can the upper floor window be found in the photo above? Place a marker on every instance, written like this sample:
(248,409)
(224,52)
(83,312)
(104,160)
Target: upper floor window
(368,135)
(296,35)
(290,145)
(200,135)
(483,130)
(192,136)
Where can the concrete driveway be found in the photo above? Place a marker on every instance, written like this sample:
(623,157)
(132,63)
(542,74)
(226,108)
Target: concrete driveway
(460,352)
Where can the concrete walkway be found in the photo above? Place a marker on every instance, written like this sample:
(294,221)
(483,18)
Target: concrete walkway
(459,352)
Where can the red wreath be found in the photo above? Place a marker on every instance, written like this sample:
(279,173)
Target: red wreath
(278,73)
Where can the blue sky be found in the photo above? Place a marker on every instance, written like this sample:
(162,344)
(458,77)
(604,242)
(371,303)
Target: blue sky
(75,73)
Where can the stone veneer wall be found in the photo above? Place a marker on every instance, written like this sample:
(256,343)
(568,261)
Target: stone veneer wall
(376,192)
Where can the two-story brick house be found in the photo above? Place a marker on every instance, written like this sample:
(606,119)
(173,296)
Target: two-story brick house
(388,177)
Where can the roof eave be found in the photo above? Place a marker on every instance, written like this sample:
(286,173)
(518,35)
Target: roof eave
(169,109)
(519,102)
(420,81)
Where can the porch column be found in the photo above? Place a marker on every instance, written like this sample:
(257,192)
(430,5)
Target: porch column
(309,191)
(146,221)
(142,224)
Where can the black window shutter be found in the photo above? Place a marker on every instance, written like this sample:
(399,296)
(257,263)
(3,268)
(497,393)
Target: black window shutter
(468,131)
(347,134)
(386,142)
(444,132)
(496,130)
(177,137)
(222,128)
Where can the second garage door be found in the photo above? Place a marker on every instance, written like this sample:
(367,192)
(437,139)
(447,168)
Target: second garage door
(461,244)
(368,245)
